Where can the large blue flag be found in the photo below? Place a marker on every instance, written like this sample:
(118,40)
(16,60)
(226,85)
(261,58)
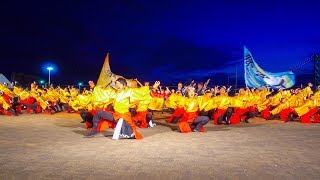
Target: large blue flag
(259,78)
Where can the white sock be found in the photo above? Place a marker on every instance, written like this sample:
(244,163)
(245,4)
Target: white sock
(117,130)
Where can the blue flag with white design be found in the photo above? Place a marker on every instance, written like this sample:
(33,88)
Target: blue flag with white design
(258,78)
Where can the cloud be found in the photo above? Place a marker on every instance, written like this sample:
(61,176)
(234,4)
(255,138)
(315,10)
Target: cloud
(172,58)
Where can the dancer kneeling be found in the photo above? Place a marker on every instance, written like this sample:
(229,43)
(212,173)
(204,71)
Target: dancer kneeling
(190,120)
(122,97)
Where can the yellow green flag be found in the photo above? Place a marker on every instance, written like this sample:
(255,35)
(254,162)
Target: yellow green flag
(107,78)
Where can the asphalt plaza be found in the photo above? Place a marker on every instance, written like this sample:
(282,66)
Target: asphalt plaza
(52,147)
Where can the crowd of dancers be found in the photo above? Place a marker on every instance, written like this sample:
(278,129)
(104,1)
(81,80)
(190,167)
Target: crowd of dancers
(191,106)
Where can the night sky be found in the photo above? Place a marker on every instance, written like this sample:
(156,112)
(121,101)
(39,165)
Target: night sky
(163,40)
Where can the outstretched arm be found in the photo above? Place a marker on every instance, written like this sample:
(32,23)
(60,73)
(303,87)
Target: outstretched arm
(229,89)
(142,93)
(216,90)
(156,85)
(138,82)
(91,84)
(206,84)
(192,82)
(167,91)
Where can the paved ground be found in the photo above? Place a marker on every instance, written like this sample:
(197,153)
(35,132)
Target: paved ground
(53,147)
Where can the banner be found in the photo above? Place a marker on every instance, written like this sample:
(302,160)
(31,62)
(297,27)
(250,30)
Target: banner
(107,78)
(258,78)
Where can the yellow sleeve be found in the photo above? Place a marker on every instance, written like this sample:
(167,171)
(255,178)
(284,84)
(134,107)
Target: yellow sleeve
(171,101)
(50,97)
(156,103)
(236,102)
(74,104)
(143,105)
(307,91)
(276,98)
(287,94)
(225,102)
(204,101)
(264,93)
(177,101)
(90,107)
(81,102)
(262,106)
(191,105)
(181,101)
(212,104)
(300,100)
(42,103)
(53,95)
(8,92)
(84,100)
(256,99)
(139,94)
(24,95)
(301,110)
(21,93)
(305,108)
(63,99)
(4,103)
(16,91)
(100,95)
(279,108)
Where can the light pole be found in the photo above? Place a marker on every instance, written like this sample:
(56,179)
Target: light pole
(80,84)
(49,69)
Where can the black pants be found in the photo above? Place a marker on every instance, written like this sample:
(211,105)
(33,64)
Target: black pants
(271,117)
(149,118)
(291,117)
(226,116)
(206,113)
(60,106)
(199,122)
(176,119)
(132,111)
(86,116)
(66,107)
(249,115)
(15,106)
(102,115)
(32,106)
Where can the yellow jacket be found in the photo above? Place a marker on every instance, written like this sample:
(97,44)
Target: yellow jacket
(306,107)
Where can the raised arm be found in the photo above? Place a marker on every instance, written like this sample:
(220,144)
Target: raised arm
(138,82)
(91,84)
(142,93)
(102,95)
(206,84)
(156,85)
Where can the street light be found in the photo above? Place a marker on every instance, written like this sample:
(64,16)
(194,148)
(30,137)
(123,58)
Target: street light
(80,84)
(49,69)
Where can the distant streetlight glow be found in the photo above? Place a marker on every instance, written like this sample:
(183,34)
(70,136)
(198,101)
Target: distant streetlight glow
(49,69)
(80,84)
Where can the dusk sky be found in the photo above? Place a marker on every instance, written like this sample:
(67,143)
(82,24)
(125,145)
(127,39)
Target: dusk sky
(169,41)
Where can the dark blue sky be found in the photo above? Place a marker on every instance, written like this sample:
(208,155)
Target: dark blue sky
(158,40)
